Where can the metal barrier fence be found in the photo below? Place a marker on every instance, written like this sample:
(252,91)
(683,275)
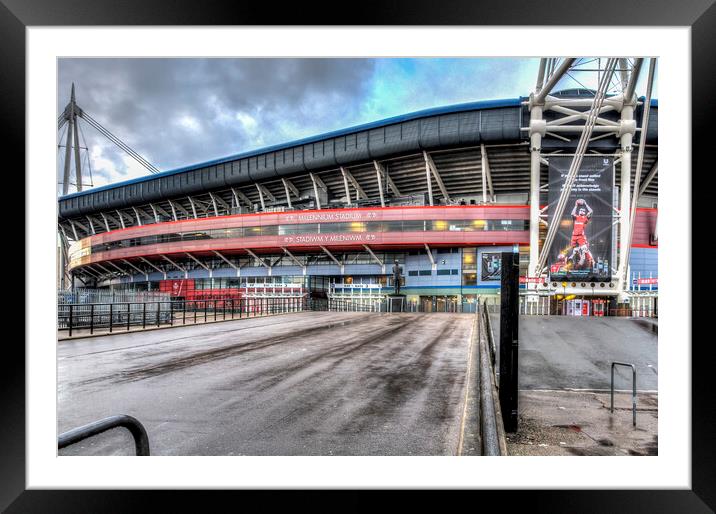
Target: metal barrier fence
(484,311)
(544,306)
(454,307)
(536,306)
(90,295)
(357,305)
(632,313)
(124,316)
(383,305)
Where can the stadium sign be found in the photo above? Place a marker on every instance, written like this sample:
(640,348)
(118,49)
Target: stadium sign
(531,280)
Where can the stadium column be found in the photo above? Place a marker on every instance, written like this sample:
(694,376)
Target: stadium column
(627,114)
(537,130)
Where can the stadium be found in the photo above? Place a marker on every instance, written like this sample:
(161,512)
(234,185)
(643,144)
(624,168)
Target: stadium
(442,192)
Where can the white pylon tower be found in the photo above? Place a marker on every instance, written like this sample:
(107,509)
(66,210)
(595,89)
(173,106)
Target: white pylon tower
(582,118)
(70,116)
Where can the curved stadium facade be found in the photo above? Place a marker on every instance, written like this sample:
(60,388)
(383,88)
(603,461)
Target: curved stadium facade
(441,191)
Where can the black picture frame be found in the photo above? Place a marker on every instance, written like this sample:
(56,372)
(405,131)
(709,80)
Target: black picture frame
(17,15)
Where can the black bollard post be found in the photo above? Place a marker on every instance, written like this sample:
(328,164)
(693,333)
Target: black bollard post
(509,341)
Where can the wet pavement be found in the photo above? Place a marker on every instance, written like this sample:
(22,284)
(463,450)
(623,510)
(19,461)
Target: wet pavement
(317,383)
(565,366)
(566,352)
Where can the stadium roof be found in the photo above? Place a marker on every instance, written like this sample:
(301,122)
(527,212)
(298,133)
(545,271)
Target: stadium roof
(448,109)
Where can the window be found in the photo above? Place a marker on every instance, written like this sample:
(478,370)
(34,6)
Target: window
(426,272)
(447,272)
(413,273)
(413,226)
(469,259)
(469,279)
(341,227)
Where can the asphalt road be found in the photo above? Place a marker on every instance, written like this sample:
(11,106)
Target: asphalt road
(299,384)
(565,352)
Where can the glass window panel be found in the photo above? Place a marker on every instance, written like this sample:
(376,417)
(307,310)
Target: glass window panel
(469,258)
(413,226)
(252,231)
(393,226)
(469,279)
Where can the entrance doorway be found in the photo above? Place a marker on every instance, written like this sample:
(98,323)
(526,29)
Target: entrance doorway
(591,306)
(445,303)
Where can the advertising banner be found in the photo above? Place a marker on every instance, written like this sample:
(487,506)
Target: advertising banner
(491,266)
(582,248)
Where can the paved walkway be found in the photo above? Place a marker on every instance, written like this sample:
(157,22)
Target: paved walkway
(565,352)
(565,366)
(317,383)
(580,423)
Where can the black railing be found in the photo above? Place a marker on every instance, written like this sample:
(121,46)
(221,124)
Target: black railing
(484,311)
(123,316)
(139,433)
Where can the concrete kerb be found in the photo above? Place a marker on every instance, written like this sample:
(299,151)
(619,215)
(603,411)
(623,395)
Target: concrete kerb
(489,402)
(470,442)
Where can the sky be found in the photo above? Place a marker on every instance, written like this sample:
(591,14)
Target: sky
(177,112)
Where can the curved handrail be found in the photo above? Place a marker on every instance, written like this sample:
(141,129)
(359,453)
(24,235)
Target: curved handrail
(141,439)
(633,385)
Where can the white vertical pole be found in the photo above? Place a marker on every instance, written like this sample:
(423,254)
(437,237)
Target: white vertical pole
(535,163)
(625,196)
(484,173)
(428,178)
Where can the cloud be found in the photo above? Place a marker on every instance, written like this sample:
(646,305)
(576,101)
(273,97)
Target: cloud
(190,123)
(176,112)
